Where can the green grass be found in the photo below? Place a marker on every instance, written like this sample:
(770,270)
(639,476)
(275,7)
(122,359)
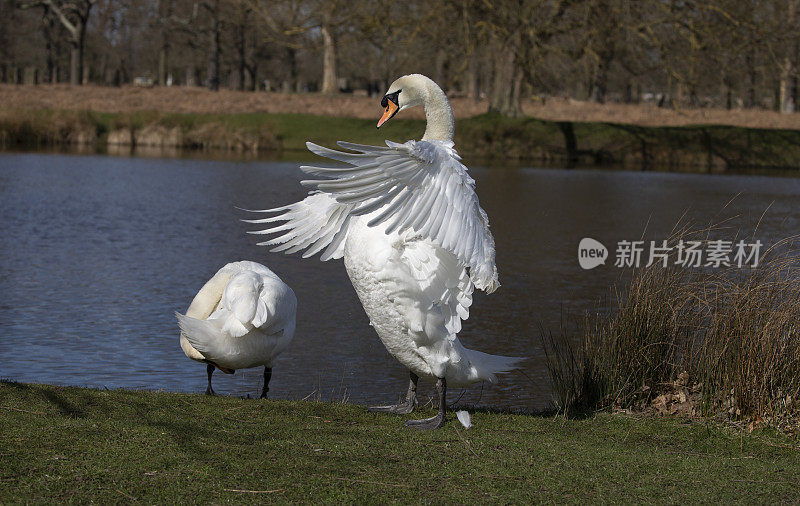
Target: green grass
(295,129)
(77,445)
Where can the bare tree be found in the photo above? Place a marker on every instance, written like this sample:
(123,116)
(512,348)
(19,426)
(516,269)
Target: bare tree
(330,16)
(504,50)
(784,48)
(166,13)
(73,16)
(285,23)
(521,34)
(214,47)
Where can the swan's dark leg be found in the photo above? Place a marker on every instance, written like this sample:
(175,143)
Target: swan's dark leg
(210,371)
(438,420)
(406,406)
(267,377)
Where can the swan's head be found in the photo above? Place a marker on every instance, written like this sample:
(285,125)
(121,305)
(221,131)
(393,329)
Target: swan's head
(407,91)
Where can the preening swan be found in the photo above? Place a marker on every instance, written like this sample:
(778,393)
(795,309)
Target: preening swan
(414,238)
(243,317)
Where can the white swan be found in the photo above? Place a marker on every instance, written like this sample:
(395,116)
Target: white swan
(414,238)
(243,317)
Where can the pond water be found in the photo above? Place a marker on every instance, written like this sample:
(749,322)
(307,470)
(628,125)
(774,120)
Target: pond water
(98,252)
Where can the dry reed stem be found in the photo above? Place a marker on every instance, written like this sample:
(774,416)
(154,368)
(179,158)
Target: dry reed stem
(733,333)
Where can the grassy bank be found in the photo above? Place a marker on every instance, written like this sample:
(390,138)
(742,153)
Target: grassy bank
(694,148)
(79,445)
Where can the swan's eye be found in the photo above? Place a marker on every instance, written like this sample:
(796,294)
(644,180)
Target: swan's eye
(390,96)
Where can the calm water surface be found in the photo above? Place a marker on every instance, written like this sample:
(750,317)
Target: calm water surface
(98,252)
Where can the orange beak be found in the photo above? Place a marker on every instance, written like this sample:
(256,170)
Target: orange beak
(391,110)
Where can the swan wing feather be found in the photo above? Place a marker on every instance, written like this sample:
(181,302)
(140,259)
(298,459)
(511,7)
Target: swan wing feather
(420,186)
(315,223)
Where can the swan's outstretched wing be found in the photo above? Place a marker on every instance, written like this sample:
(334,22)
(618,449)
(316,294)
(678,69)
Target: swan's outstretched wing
(314,223)
(420,186)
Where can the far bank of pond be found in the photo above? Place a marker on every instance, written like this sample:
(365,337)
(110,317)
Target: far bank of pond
(701,148)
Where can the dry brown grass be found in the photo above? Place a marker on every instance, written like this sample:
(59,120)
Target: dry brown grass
(651,115)
(200,100)
(197,100)
(715,342)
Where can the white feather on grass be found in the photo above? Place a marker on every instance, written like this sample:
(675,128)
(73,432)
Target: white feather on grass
(464,418)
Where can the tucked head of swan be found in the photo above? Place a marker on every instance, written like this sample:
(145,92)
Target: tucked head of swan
(413,90)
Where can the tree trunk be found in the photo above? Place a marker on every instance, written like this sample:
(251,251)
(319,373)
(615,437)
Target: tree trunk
(440,72)
(166,10)
(633,92)
(472,88)
(51,48)
(727,93)
(81,51)
(77,74)
(787,102)
(600,78)
(330,82)
(214,49)
(241,63)
(252,71)
(750,94)
(504,98)
(75,65)
(241,47)
(288,85)
(600,84)
(794,87)
(50,72)
(516,91)
(162,65)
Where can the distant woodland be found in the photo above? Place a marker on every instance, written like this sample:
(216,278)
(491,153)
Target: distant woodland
(686,54)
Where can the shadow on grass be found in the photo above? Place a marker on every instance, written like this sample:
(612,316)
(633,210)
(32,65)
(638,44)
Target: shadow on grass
(115,406)
(67,408)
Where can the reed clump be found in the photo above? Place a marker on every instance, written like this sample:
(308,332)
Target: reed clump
(142,129)
(48,127)
(718,342)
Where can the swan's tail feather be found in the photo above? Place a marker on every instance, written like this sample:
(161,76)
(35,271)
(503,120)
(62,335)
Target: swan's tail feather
(487,366)
(201,334)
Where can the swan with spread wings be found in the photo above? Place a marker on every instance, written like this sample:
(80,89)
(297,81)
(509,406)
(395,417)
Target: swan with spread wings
(414,239)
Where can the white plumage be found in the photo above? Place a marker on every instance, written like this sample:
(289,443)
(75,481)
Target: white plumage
(414,238)
(243,317)
(464,418)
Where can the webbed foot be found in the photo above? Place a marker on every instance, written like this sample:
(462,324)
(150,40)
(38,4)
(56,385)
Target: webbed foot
(403,408)
(435,422)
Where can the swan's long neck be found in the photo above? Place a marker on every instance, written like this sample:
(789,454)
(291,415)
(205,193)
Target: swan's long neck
(440,122)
